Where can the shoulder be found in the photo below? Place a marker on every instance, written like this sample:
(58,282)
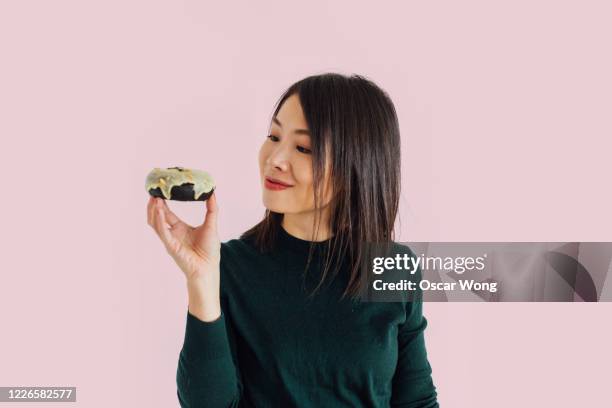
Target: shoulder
(414,303)
(400,248)
(411,299)
(240,260)
(237,251)
(235,246)
(234,255)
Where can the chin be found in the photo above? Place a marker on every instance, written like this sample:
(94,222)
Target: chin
(274,206)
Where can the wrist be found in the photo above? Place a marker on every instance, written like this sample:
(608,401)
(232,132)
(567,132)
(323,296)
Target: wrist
(205,313)
(204,303)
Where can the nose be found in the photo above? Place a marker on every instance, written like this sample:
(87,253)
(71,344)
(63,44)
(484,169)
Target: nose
(279,158)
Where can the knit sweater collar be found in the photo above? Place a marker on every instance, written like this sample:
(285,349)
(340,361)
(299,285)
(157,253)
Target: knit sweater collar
(287,240)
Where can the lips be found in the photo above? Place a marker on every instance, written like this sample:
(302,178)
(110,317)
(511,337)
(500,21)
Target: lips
(279,182)
(273,184)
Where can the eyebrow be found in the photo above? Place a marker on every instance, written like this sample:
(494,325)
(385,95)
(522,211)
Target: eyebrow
(296,131)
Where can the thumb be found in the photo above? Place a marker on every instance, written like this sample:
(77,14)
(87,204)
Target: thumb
(212,210)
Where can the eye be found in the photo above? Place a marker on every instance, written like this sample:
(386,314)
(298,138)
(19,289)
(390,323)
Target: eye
(273,138)
(303,150)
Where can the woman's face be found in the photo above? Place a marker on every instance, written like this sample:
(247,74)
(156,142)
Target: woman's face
(285,156)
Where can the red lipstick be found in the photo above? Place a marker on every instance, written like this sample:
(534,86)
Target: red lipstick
(275,185)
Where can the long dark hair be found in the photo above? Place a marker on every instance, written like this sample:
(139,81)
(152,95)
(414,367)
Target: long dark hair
(356,121)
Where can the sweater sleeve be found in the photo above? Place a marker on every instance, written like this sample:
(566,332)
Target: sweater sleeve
(206,374)
(412,382)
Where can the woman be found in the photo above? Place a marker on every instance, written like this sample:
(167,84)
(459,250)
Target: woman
(272,319)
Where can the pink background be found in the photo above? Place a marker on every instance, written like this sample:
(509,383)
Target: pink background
(505,117)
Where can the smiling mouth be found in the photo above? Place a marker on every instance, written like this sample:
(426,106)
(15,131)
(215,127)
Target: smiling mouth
(271,184)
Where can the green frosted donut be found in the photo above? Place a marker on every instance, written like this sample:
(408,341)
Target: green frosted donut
(180,184)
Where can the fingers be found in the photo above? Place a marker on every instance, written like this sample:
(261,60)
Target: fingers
(164,233)
(212,210)
(171,218)
(150,211)
(156,218)
(152,206)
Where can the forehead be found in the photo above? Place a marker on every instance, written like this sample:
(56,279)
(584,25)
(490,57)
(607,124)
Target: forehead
(291,115)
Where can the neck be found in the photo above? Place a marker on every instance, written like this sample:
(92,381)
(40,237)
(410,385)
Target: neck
(301,226)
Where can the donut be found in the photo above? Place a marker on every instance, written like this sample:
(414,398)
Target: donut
(179,184)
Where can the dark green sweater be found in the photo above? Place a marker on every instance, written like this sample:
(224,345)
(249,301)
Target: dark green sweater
(274,347)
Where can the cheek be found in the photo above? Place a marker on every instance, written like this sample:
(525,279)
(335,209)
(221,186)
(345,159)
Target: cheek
(305,194)
(262,157)
(302,171)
